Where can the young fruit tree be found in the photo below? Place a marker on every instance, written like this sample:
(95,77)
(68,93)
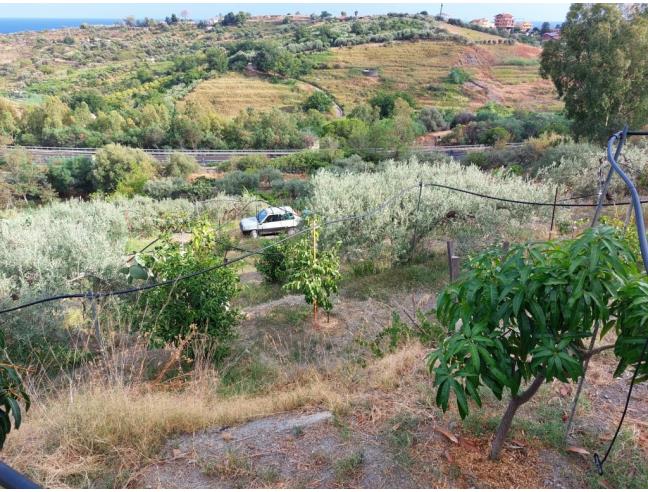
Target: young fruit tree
(12,392)
(518,319)
(313,273)
(172,312)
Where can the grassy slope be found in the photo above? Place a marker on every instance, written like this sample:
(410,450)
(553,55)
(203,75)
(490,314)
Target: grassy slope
(507,74)
(470,34)
(41,63)
(232,93)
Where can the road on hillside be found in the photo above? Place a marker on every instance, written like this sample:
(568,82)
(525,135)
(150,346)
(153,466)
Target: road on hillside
(204,157)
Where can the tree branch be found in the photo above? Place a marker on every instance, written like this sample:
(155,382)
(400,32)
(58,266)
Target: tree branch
(597,350)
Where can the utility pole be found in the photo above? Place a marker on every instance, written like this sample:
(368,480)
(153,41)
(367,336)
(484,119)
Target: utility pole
(441,10)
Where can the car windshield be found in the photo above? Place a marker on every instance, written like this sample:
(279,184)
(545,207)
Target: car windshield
(261,216)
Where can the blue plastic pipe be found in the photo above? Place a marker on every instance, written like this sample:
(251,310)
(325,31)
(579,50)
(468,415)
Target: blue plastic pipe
(11,479)
(621,137)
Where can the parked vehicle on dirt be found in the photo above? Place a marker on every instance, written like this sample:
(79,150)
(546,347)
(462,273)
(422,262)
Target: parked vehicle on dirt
(271,220)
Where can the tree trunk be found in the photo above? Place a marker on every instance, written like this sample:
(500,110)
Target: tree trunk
(505,424)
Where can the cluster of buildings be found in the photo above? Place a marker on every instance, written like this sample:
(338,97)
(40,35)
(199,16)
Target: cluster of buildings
(506,21)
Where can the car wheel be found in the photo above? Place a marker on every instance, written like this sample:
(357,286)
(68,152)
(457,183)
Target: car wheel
(254,234)
(291,231)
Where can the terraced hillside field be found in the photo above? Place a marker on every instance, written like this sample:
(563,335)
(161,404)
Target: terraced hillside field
(232,93)
(504,73)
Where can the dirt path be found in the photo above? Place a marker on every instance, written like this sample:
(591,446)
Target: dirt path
(294,450)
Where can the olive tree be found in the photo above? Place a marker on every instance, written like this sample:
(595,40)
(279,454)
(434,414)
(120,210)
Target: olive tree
(518,319)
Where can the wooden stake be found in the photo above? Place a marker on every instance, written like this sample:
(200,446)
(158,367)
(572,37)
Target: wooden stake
(553,213)
(313,232)
(570,422)
(416,219)
(453,261)
(95,324)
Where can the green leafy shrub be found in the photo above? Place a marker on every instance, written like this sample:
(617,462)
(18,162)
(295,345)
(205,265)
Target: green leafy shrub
(458,76)
(273,265)
(72,177)
(251,162)
(291,188)
(432,119)
(522,316)
(386,102)
(171,313)
(238,182)
(307,161)
(313,272)
(268,175)
(166,188)
(180,166)
(115,165)
(478,159)
(24,180)
(319,101)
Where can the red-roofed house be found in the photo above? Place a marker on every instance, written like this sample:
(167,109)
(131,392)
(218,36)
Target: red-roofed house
(504,21)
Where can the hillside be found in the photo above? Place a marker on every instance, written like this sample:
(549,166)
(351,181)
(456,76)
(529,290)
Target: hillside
(502,73)
(112,61)
(232,93)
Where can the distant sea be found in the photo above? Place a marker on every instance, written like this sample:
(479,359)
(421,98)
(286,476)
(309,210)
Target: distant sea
(8,26)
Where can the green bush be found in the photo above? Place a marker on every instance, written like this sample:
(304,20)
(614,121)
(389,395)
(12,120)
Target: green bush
(251,162)
(238,182)
(72,177)
(292,188)
(23,180)
(476,159)
(272,265)
(116,165)
(270,174)
(167,188)
(386,101)
(432,119)
(319,101)
(180,166)
(307,161)
(199,304)
(458,76)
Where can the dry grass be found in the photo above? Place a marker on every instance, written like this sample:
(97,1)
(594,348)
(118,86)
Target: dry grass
(421,69)
(470,34)
(394,370)
(99,434)
(230,94)
(406,66)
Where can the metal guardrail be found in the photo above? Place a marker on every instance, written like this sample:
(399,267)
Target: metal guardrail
(254,151)
(43,154)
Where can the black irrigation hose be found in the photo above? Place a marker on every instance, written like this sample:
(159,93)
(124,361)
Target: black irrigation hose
(524,202)
(97,295)
(598,462)
(380,208)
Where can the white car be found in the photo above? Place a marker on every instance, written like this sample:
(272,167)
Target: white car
(271,220)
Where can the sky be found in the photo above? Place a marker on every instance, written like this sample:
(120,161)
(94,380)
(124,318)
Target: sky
(466,11)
